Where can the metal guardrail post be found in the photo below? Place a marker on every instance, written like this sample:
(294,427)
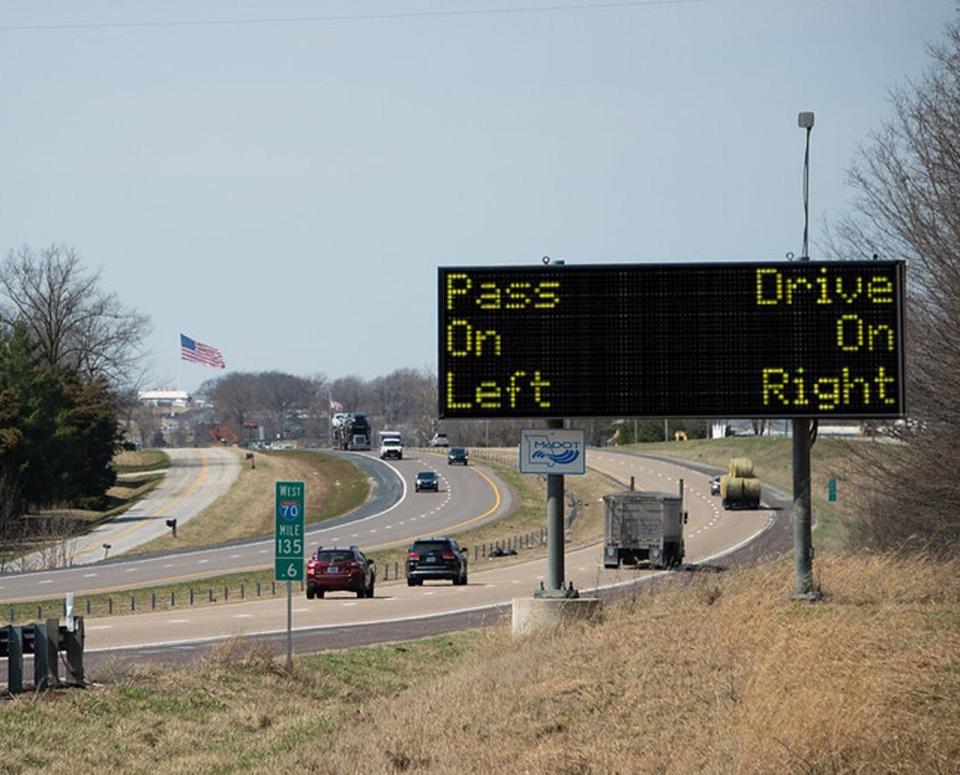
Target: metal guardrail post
(14,659)
(53,652)
(39,655)
(73,642)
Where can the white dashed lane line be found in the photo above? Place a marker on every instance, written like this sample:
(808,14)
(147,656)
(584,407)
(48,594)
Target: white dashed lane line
(89,575)
(202,562)
(45,581)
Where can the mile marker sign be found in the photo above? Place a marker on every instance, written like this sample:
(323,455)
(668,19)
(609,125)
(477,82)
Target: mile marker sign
(288,532)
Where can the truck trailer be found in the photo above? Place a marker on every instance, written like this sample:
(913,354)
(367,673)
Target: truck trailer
(643,526)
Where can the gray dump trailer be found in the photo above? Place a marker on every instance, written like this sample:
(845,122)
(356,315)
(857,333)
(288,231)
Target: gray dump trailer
(642,526)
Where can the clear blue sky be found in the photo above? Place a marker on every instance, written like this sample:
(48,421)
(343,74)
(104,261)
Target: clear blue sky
(285,191)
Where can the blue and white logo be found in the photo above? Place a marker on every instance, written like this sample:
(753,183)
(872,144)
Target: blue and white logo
(552,451)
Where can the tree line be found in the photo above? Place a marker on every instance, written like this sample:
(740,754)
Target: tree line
(907,183)
(291,407)
(66,350)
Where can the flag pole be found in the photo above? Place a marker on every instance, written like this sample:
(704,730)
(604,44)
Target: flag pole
(178,365)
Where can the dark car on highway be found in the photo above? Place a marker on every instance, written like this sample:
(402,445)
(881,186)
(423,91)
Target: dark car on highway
(715,485)
(333,569)
(457,455)
(427,480)
(436,558)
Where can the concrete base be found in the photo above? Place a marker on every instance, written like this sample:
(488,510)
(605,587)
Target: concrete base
(548,614)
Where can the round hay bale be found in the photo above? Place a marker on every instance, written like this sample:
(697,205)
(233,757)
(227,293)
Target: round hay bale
(723,485)
(751,489)
(741,467)
(734,488)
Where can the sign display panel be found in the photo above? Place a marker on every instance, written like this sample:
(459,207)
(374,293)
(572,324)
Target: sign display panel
(288,532)
(790,339)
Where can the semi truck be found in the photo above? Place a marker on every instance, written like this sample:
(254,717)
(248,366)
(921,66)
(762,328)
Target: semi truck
(643,526)
(349,431)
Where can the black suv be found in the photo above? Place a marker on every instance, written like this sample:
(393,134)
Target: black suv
(436,558)
(427,480)
(457,455)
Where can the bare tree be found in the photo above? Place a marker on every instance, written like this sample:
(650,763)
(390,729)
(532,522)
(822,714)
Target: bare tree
(283,395)
(235,396)
(907,178)
(70,320)
(350,391)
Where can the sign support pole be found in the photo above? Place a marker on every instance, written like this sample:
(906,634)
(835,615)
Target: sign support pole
(289,625)
(555,495)
(288,532)
(802,514)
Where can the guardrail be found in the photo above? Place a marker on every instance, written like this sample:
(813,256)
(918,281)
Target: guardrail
(46,641)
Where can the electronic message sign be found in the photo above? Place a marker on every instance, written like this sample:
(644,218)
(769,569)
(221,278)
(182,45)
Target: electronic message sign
(792,339)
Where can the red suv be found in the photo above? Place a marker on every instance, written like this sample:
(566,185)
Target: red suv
(332,569)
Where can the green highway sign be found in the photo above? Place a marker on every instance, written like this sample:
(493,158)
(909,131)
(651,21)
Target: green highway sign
(832,489)
(288,532)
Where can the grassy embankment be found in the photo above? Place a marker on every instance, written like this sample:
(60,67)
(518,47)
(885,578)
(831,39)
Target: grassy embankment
(333,486)
(723,674)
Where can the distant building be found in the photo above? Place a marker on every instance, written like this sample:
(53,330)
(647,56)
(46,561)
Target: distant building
(165,397)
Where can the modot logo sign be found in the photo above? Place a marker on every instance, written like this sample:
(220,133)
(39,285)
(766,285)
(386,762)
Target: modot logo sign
(552,452)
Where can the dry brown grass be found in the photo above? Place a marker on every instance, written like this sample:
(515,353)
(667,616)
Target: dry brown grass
(721,674)
(333,486)
(727,675)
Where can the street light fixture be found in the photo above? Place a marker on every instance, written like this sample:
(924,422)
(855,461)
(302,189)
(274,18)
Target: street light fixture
(805,121)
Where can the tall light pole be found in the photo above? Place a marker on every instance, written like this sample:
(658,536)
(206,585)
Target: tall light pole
(803,429)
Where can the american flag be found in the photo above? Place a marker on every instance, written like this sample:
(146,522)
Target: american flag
(198,352)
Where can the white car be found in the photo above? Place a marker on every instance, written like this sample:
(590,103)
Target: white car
(439,440)
(391,448)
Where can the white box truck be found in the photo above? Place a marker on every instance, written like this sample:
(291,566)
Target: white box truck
(643,526)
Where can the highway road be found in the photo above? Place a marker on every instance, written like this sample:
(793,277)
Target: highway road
(395,513)
(194,480)
(401,611)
